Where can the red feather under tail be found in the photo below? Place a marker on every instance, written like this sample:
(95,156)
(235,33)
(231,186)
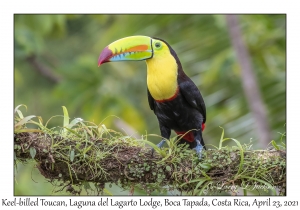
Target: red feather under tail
(188,136)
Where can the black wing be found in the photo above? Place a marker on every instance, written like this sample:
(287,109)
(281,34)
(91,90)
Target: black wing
(150,100)
(192,95)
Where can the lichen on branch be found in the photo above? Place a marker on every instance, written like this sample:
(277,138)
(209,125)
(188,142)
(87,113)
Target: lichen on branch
(82,152)
(75,162)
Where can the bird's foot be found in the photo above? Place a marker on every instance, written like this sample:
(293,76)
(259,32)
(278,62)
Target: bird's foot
(199,149)
(159,145)
(152,151)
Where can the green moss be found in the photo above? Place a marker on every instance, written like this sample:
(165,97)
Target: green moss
(88,145)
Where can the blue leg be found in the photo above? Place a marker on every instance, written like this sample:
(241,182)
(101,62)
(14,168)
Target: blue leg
(159,145)
(165,133)
(199,149)
(200,143)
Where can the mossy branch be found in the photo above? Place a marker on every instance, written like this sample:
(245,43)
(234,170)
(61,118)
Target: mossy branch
(75,161)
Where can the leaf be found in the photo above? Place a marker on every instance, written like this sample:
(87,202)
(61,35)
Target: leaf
(24,120)
(17,108)
(40,120)
(51,119)
(66,118)
(274,145)
(205,165)
(168,168)
(87,185)
(221,139)
(204,174)
(194,180)
(73,132)
(102,129)
(281,139)
(240,147)
(74,122)
(87,130)
(203,188)
(32,152)
(241,153)
(72,155)
(201,181)
(20,114)
(155,147)
(28,130)
(245,192)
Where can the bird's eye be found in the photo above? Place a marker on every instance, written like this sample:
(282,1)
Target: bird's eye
(157,44)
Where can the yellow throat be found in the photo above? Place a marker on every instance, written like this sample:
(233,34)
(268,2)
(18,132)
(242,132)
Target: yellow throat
(162,76)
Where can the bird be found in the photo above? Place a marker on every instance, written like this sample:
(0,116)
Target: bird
(172,95)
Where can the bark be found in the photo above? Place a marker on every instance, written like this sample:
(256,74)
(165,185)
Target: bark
(130,166)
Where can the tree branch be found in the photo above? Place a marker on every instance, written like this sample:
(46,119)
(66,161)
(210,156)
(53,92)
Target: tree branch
(130,166)
(42,69)
(249,81)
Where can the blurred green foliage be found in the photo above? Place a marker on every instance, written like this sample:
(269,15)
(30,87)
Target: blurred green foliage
(68,46)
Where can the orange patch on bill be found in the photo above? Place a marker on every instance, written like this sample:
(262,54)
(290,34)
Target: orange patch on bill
(138,48)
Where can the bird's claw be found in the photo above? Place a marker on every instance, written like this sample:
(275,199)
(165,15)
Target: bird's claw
(159,145)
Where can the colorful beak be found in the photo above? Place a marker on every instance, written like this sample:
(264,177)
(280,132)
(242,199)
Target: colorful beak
(133,48)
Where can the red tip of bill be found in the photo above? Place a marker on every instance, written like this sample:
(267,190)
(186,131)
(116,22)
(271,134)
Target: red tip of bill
(105,55)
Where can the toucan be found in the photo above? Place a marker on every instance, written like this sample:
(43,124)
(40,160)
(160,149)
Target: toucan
(172,95)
